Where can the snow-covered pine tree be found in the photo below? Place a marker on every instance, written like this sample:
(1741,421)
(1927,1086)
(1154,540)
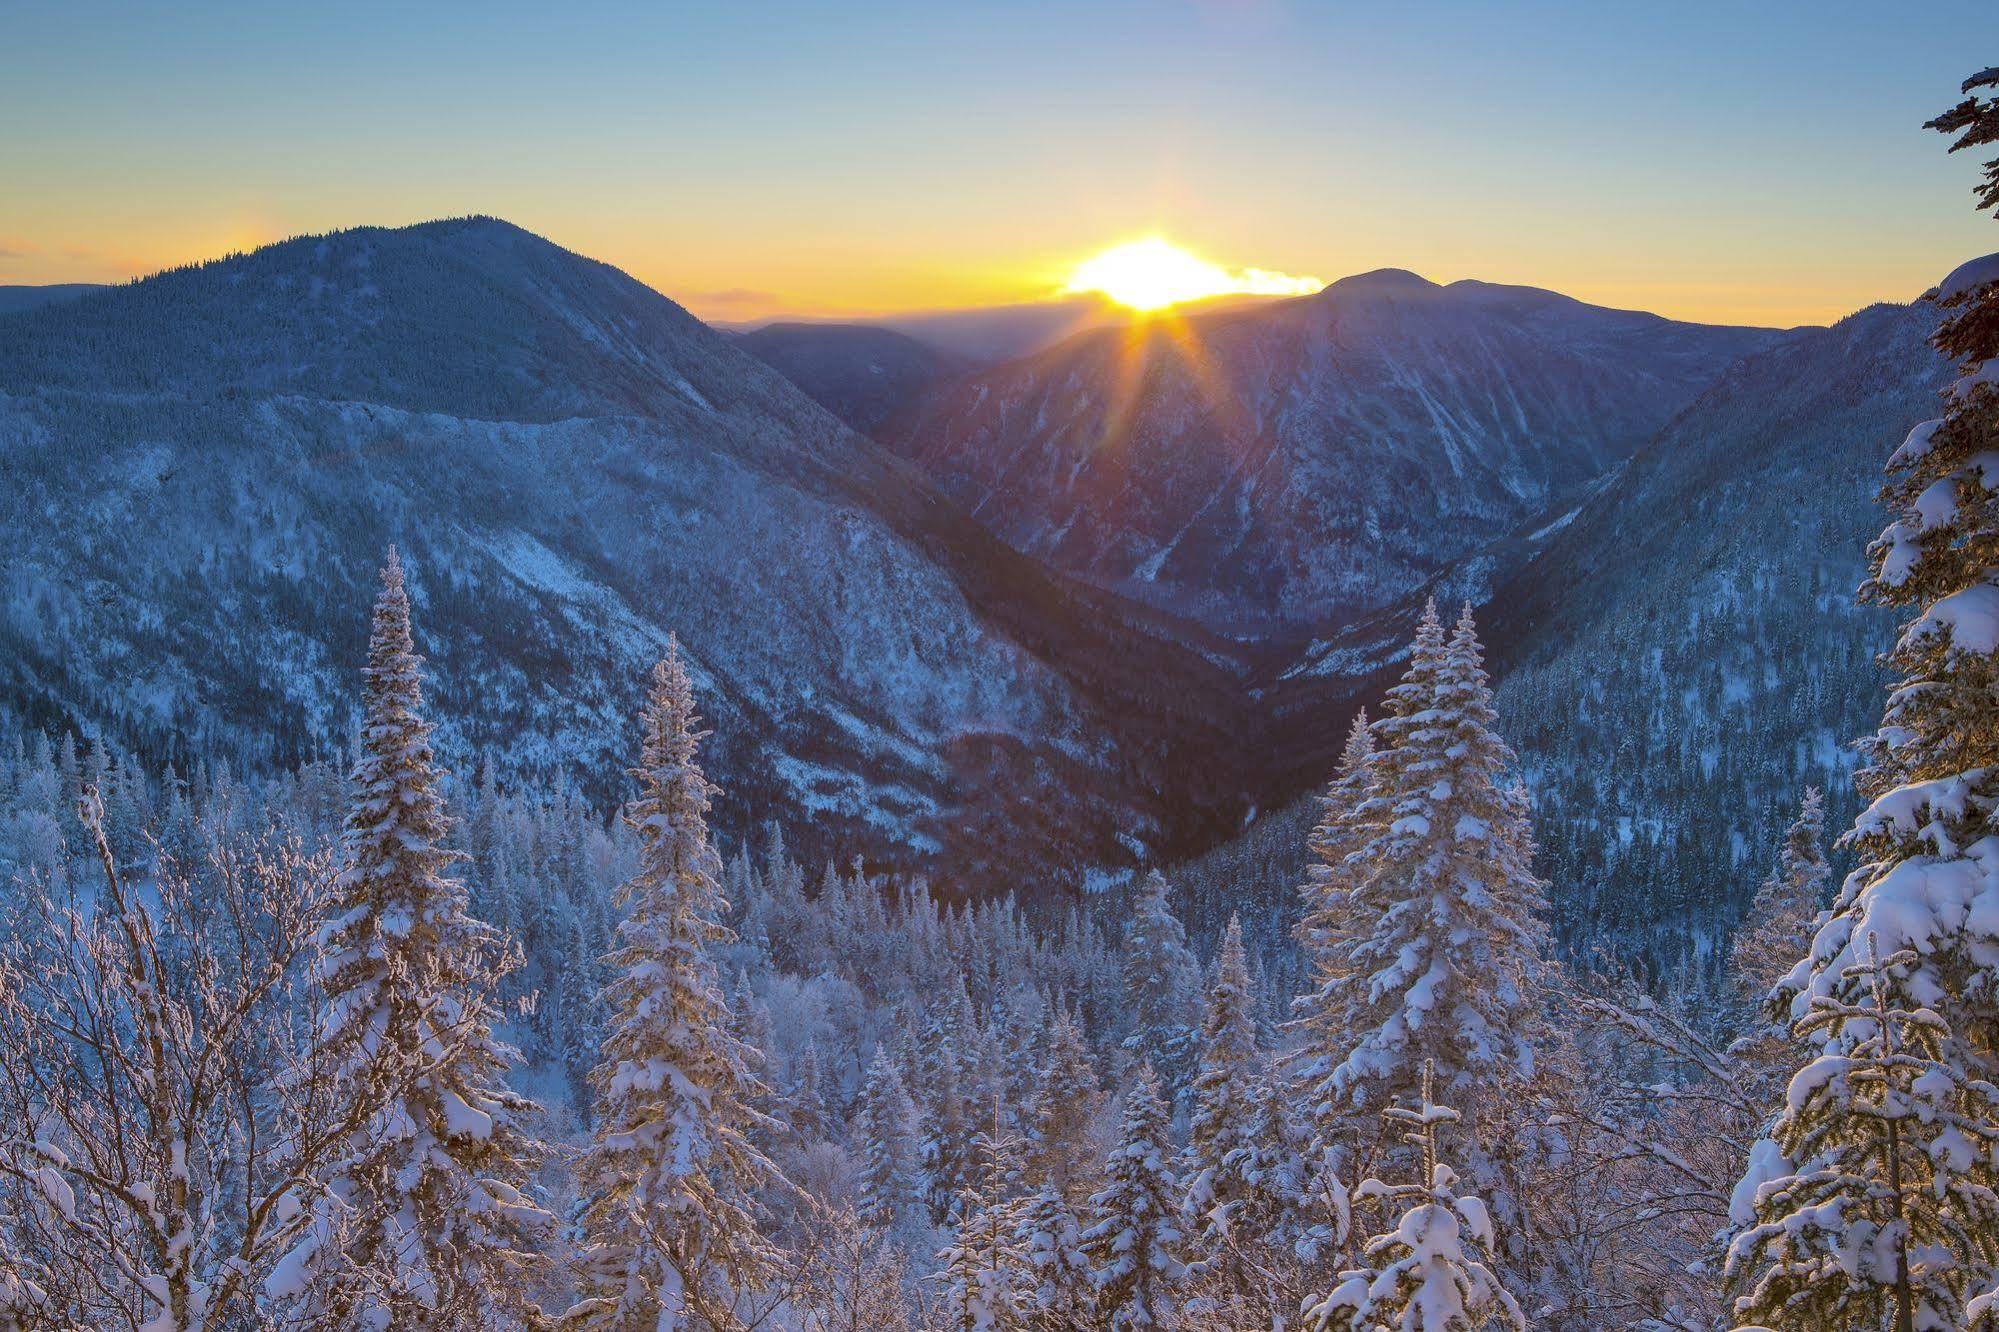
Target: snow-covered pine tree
(431,1224)
(886,1126)
(1248,1199)
(575,995)
(1772,937)
(1426,1274)
(1065,1103)
(1933,774)
(1161,985)
(1446,969)
(1057,1293)
(1874,1203)
(1224,1091)
(1134,1235)
(983,1271)
(1923,892)
(945,1126)
(1325,924)
(670,1177)
(805,1098)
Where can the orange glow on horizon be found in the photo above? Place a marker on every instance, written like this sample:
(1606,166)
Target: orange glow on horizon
(1151,273)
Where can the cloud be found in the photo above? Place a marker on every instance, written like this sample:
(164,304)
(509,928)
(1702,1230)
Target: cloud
(731,297)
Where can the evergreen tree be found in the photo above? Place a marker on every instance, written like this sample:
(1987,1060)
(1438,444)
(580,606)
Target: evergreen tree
(1442,968)
(806,1097)
(1872,1204)
(426,1208)
(1326,925)
(1134,1235)
(983,1270)
(1058,1294)
(670,1175)
(1225,1090)
(1933,774)
(1426,1274)
(1161,984)
(575,996)
(1909,1046)
(1778,929)
(945,1135)
(1065,1103)
(1981,1315)
(887,1129)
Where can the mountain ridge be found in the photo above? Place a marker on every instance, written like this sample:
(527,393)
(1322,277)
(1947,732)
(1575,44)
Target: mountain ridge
(1268,469)
(573,466)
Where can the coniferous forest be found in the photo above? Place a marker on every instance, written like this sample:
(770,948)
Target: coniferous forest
(412,1032)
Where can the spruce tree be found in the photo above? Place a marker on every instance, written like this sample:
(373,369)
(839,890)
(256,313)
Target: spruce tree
(1426,1274)
(1442,967)
(1057,1293)
(670,1177)
(426,1208)
(1065,1103)
(1134,1235)
(1224,1092)
(1920,895)
(942,1105)
(1161,984)
(886,1126)
(1326,923)
(1874,1203)
(1933,774)
(984,1274)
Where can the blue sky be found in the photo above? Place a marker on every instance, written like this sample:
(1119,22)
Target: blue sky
(1730,161)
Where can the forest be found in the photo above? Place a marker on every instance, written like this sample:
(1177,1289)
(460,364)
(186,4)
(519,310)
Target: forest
(394,1041)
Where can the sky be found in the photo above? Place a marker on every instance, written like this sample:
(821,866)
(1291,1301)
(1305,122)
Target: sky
(1742,162)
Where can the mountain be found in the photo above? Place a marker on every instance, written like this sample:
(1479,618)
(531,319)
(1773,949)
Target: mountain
(862,374)
(1276,467)
(29,298)
(990,334)
(1678,654)
(205,468)
(1686,655)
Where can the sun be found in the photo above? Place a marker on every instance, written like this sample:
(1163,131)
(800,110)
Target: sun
(1151,273)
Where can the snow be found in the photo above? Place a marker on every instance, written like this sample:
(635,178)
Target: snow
(1766,1163)
(1916,446)
(56,1189)
(462,1120)
(1542,534)
(1969,617)
(1967,276)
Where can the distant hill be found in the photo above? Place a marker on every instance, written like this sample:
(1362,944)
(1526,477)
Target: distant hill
(863,374)
(13,299)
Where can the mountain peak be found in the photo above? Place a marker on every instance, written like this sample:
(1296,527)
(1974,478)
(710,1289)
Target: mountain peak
(472,316)
(1384,281)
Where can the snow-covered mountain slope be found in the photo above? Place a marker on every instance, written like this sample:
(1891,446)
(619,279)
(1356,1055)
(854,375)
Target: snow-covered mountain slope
(204,469)
(1679,653)
(862,374)
(1306,460)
